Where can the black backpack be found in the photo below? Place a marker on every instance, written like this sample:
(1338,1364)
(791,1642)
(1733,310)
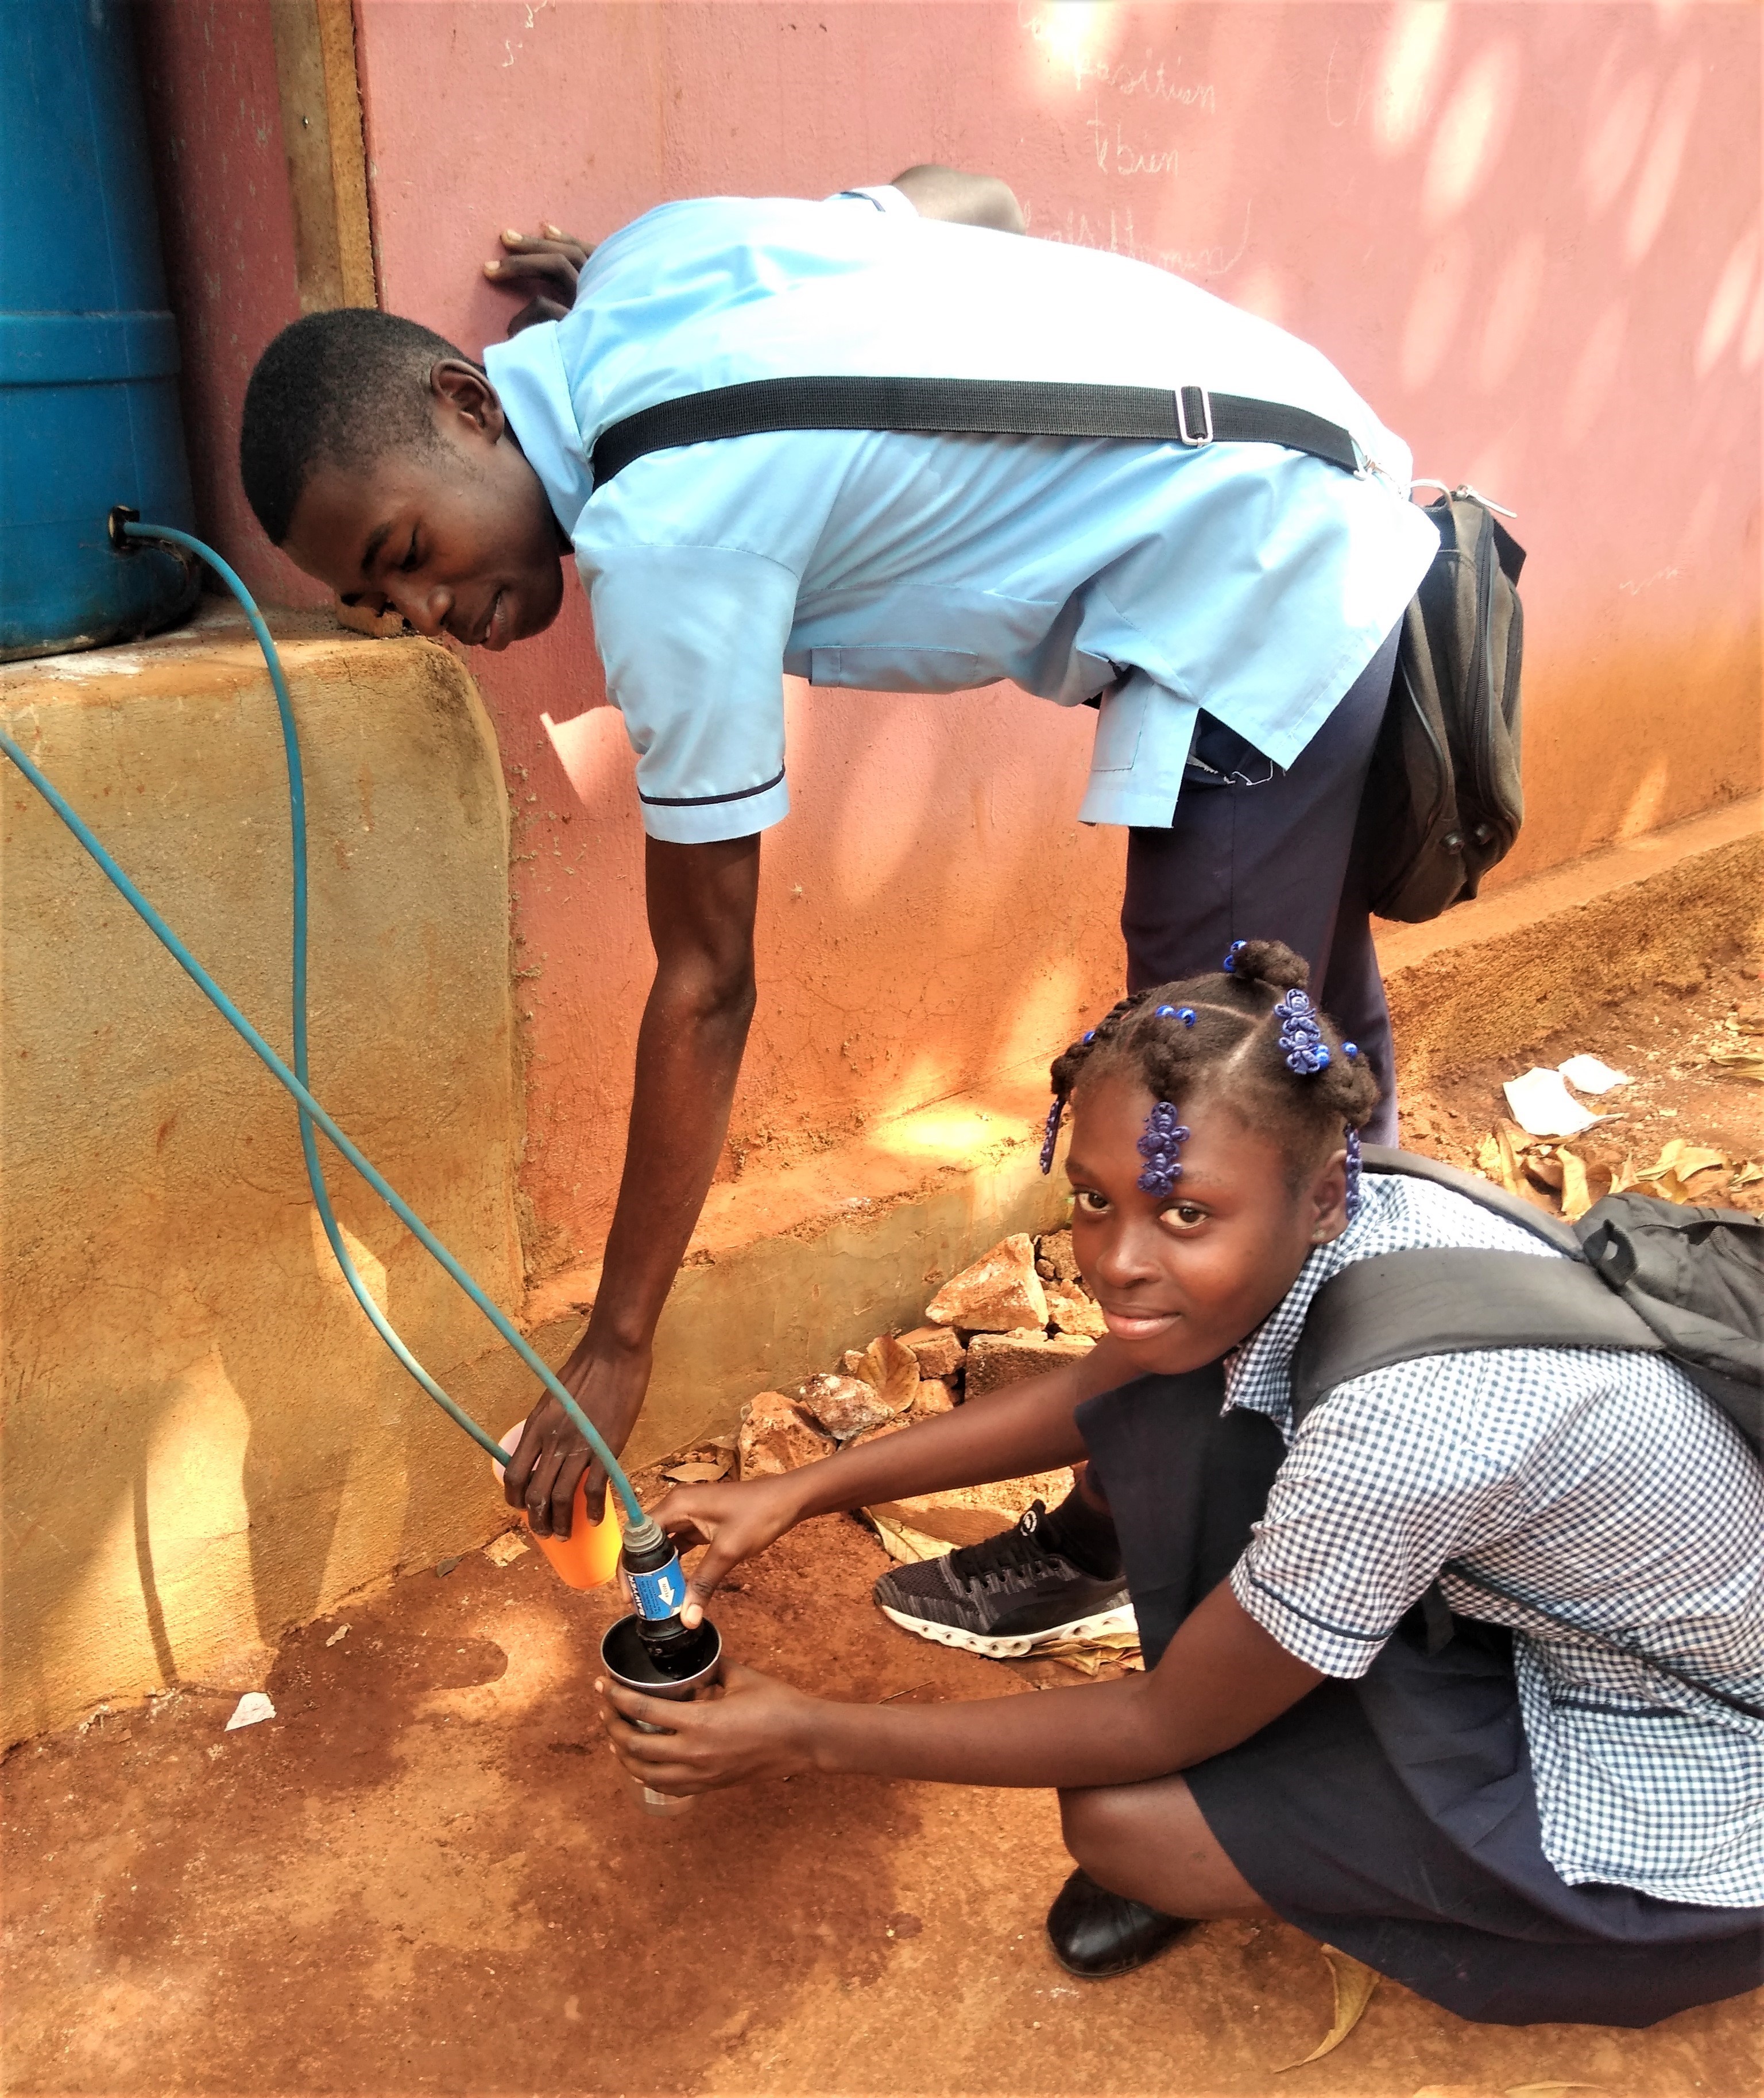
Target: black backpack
(1643,1275)
(1442,802)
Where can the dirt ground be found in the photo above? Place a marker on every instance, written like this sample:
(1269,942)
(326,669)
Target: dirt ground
(426,1873)
(1662,1042)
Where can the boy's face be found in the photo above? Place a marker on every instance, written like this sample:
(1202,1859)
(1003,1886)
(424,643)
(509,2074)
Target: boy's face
(1181,1278)
(457,537)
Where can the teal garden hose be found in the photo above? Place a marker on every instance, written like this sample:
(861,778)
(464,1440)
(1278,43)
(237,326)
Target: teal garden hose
(126,530)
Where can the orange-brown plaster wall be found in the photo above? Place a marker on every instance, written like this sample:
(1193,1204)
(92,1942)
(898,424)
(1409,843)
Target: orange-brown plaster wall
(1529,233)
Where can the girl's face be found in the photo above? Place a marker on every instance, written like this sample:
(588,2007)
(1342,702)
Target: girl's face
(1182,1277)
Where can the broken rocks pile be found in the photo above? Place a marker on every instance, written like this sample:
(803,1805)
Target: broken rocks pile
(1020,1308)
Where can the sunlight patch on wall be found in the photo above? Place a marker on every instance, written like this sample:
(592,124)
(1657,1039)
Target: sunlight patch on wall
(1729,303)
(1040,1025)
(1069,36)
(1752,342)
(368,1264)
(1471,130)
(1659,177)
(950,1134)
(1614,143)
(1643,813)
(195,1552)
(1409,73)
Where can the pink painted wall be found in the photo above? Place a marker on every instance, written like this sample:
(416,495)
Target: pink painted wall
(1530,234)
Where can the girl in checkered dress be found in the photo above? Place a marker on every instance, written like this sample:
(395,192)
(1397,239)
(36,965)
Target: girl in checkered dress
(1463,1673)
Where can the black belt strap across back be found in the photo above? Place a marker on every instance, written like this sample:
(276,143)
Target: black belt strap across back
(1188,416)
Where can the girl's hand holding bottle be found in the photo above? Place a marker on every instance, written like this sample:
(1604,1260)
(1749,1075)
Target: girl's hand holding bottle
(733,1522)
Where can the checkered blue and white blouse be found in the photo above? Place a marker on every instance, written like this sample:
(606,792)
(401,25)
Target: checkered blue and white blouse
(1601,1485)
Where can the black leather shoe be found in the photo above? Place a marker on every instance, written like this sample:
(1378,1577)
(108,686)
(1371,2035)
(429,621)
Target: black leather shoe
(1095,1933)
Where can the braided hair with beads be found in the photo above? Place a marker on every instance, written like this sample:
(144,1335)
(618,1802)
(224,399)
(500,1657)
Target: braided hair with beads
(1250,1034)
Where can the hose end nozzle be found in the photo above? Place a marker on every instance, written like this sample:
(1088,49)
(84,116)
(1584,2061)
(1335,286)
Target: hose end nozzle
(117,524)
(644,1537)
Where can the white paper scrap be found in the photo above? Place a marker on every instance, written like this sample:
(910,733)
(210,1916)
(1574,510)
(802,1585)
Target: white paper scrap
(1590,1074)
(1543,1105)
(252,1707)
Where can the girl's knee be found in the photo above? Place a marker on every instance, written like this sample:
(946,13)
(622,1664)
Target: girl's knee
(1095,1822)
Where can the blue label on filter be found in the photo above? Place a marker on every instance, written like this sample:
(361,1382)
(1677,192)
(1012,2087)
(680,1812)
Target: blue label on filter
(660,1594)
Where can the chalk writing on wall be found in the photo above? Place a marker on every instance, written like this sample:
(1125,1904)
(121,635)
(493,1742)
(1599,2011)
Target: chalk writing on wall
(1129,143)
(1119,237)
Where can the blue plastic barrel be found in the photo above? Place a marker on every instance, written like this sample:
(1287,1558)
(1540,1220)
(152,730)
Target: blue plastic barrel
(89,413)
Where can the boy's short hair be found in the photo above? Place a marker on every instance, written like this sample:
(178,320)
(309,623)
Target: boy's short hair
(333,389)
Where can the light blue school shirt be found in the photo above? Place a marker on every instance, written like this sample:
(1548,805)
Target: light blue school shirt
(1249,580)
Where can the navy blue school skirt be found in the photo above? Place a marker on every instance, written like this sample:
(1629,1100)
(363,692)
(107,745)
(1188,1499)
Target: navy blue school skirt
(1395,1817)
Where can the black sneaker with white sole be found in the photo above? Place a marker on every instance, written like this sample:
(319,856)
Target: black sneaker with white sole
(1005,1597)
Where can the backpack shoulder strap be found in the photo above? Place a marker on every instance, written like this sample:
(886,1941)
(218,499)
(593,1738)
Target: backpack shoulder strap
(1190,415)
(1397,1307)
(1554,1231)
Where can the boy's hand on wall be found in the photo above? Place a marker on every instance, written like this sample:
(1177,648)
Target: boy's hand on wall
(734,1521)
(553,259)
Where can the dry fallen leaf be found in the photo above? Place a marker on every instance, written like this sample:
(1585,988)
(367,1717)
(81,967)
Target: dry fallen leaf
(1543,1169)
(1749,1174)
(1498,1158)
(695,1475)
(1354,1984)
(1087,1655)
(1745,1062)
(903,1543)
(891,1370)
(1577,1183)
(1678,1166)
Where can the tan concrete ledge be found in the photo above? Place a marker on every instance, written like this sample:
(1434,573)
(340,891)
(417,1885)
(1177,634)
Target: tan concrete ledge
(1495,975)
(205,1442)
(789,1268)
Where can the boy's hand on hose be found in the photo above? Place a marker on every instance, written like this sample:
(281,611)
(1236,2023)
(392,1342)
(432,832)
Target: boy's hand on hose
(553,260)
(757,1727)
(733,1521)
(552,1455)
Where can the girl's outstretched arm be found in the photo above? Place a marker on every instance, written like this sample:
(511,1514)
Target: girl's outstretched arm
(1026,1428)
(1221,1679)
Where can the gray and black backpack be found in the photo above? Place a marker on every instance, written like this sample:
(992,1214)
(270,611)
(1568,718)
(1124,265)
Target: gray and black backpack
(1643,1275)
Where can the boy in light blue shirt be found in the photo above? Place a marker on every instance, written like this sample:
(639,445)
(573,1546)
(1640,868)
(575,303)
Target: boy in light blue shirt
(1230,608)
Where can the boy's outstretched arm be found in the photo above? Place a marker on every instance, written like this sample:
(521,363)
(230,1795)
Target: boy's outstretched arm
(701,901)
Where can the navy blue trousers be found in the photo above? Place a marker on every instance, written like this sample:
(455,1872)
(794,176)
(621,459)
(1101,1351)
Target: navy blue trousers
(1259,854)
